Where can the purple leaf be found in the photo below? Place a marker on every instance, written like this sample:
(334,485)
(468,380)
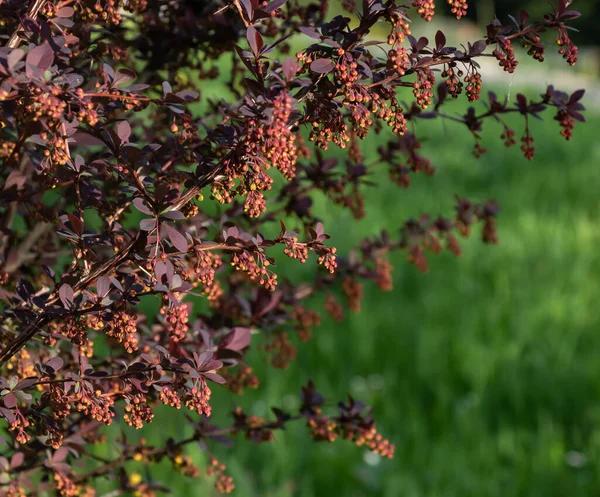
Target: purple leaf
(577,95)
(16,460)
(123,131)
(147,224)
(309,31)
(217,378)
(177,239)
(255,40)
(478,47)
(173,215)
(65,12)
(440,40)
(60,454)
(290,68)
(322,66)
(247,4)
(274,5)
(141,205)
(66,295)
(10,400)
(26,383)
(14,56)
(188,95)
(237,339)
(55,363)
(41,57)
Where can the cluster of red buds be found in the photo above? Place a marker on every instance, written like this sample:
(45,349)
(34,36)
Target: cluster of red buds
(176,319)
(121,326)
(505,54)
(458,7)
(224,482)
(137,411)
(568,49)
(196,399)
(425,8)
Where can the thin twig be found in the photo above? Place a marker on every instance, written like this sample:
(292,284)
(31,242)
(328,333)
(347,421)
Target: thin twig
(241,11)
(15,39)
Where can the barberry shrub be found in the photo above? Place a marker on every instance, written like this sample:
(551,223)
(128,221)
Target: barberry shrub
(121,185)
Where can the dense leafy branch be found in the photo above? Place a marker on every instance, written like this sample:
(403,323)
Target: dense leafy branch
(104,169)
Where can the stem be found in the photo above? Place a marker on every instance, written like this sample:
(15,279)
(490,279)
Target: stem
(15,39)
(241,11)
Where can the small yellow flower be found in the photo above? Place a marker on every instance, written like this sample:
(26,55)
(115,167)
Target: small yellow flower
(135,479)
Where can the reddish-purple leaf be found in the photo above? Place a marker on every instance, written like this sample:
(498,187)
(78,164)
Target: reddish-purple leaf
(247,5)
(26,383)
(173,215)
(255,40)
(478,47)
(290,68)
(60,454)
(123,131)
(55,363)
(177,239)
(322,66)
(440,40)
(141,205)
(147,224)
(217,378)
(14,56)
(577,95)
(66,294)
(16,460)
(274,5)
(76,224)
(41,57)
(310,31)
(10,400)
(237,339)
(65,12)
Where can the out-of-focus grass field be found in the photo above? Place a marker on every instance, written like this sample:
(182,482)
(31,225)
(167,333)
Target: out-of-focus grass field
(485,372)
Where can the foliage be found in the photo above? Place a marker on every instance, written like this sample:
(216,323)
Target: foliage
(102,208)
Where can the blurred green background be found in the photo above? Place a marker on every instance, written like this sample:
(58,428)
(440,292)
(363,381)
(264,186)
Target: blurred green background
(485,371)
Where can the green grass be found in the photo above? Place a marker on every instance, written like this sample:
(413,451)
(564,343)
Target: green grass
(483,372)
